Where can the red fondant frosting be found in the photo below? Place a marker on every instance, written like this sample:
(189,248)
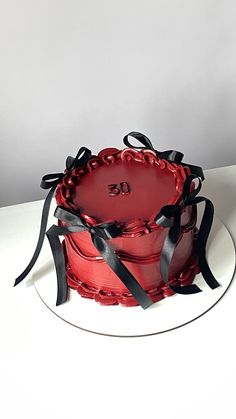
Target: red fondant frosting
(129,187)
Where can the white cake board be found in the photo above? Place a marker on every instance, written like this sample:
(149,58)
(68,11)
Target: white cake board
(165,315)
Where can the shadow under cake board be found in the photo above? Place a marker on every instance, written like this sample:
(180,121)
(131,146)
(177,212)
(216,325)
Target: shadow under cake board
(166,315)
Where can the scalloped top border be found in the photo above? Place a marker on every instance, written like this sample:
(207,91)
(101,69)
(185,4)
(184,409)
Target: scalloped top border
(134,227)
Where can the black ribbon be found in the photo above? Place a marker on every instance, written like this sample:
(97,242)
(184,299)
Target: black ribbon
(170,217)
(99,235)
(170,155)
(51,181)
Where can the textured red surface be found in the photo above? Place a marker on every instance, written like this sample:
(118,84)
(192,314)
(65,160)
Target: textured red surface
(152,183)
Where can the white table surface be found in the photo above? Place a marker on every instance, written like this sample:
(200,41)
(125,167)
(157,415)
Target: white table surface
(49,369)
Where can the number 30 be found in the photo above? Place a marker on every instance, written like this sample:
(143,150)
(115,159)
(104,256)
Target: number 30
(115,189)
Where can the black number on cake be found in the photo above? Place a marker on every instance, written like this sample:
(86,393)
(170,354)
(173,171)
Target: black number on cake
(115,189)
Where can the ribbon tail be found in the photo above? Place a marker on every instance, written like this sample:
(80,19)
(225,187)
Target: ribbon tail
(166,257)
(185,289)
(169,247)
(59,261)
(203,234)
(43,226)
(122,272)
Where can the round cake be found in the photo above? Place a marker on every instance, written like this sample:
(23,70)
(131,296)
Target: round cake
(128,218)
(129,187)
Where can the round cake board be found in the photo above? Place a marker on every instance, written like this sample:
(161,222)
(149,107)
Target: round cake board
(165,315)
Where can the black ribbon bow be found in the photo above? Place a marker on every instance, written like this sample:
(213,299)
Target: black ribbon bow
(170,155)
(170,217)
(99,235)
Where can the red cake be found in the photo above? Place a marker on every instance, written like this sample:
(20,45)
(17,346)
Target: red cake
(129,223)
(96,192)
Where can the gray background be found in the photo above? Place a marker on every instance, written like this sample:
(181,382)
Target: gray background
(76,73)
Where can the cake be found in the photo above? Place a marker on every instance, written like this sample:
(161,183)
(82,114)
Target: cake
(128,217)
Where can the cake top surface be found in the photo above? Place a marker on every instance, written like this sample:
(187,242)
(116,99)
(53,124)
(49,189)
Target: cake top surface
(122,185)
